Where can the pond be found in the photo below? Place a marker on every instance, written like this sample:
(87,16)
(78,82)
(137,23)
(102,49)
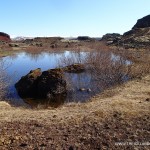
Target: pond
(81,88)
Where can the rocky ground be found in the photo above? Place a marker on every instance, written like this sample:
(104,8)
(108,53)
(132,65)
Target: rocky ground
(87,135)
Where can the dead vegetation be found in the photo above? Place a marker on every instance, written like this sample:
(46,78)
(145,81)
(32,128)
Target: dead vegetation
(108,68)
(3,79)
(104,67)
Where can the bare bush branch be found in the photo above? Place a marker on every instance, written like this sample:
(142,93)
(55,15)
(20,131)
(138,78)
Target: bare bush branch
(103,69)
(3,79)
(72,58)
(107,68)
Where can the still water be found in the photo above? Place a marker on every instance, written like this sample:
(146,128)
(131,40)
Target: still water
(21,63)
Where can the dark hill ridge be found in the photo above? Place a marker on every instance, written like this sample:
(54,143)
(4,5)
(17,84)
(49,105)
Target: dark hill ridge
(143,22)
(137,37)
(4,37)
(110,38)
(141,28)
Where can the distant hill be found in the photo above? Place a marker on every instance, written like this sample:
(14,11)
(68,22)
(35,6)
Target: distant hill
(4,37)
(21,38)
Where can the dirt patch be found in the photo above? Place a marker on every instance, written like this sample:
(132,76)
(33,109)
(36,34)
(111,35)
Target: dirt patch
(76,135)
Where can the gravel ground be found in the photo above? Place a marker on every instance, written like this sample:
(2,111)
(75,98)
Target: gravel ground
(86,135)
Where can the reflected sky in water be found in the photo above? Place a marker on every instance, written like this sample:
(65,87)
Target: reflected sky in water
(21,64)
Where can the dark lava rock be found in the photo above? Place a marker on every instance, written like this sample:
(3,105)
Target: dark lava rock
(147,99)
(27,85)
(138,36)
(51,83)
(43,41)
(47,84)
(23,145)
(13,45)
(143,22)
(111,38)
(4,37)
(83,38)
(53,46)
(47,39)
(71,148)
(74,68)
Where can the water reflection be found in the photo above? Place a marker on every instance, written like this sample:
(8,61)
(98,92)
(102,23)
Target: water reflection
(80,86)
(34,56)
(45,103)
(23,62)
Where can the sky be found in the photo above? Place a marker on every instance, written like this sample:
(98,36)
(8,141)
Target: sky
(70,18)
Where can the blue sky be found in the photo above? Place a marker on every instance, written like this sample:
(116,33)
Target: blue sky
(70,17)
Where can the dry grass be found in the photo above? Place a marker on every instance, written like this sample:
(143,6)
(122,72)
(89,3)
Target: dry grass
(140,59)
(3,78)
(140,69)
(106,68)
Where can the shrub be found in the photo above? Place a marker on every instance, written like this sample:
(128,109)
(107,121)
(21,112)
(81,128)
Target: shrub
(3,79)
(107,68)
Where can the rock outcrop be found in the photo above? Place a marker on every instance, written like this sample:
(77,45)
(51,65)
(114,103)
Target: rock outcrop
(143,22)
(43,40)
(47,84)
(51,83)
(138,36)
(27,85)
(111,38)
(84,38)
(4,37)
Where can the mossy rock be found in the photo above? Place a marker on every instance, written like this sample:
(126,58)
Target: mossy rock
(39,84)
(26,86)
(52,83)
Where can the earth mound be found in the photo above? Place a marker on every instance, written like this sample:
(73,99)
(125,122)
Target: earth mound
(4,37)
